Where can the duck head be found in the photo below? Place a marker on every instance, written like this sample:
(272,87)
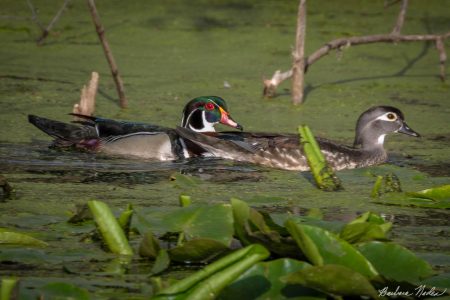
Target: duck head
(375,123)
(203,113)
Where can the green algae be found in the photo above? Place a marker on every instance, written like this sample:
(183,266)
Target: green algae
(169,52)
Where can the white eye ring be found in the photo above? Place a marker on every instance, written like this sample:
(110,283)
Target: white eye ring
(389,116)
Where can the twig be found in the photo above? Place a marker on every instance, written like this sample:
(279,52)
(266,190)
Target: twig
(442,57)
(86,106)
(270,85)
(400,18)
(112,63)
(50,25)
(34,16)
(298,67)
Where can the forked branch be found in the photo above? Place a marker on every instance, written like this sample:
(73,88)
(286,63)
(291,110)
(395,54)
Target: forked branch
(270,85)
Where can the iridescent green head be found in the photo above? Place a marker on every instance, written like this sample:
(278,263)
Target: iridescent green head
(202,113)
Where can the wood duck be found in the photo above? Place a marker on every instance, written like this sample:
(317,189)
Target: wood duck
(283,150)
(141,140)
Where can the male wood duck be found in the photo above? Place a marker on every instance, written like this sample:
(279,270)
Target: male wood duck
(283,151)
(142,140)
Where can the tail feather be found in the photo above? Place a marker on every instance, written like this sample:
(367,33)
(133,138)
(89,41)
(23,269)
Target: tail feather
(61,130)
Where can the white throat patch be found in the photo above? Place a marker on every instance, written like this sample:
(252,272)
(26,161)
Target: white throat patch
(381,139)
(209,127)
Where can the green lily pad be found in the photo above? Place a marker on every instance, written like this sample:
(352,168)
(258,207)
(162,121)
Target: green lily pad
(109,228)
(17,238)
(366,227)
(197,250)
(162,262)
(438,197)
(395,262)
(208,282)
(441,281)
(437,193)
(207,221)
(264,278)
(334,280)
(323,247)
(252,226)
(149,246)
(60,290)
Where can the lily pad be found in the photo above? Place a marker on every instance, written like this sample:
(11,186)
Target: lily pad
(60,290)
(209,281)
(162,262)
(264,278)
(334,280)
(17,238)
(207,221)
(197,250)
(324,247)
(366,227)
(395,262)
(438,197)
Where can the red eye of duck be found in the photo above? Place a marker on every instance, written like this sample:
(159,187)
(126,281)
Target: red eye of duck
(209,106)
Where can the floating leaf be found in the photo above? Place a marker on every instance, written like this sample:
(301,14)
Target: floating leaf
(149,246)
(197,250)
(184,181)
(125,219)
(264,278)
(208,282)
(324,247)
(7,287)
(324,175)
(162,262)
(334,280)
(366,227)
(437,193)
(438,197)
(306,244)
(194,221)
(441,281)
(395,262)
(17,238)
(109,228)
(251,227)
(61,290)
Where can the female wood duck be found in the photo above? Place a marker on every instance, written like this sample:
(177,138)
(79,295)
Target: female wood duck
(137,139)
(283,151)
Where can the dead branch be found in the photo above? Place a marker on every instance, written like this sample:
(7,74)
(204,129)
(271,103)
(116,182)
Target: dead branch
(86,106)
(442,57)
(270,85)
(400,18)
(298,67)
(34,16)
(50,25)
(112,63)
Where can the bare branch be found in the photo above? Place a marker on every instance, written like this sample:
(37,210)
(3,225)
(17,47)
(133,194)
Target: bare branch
(112,63)
(271,85)
(442,57)
(298,66)
(50,25)
(34,16)
(400,18)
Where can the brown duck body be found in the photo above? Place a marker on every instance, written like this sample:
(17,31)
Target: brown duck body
(284,151)
(281,151)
